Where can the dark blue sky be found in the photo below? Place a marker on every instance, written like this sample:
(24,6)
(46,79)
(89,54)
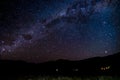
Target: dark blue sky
(42,30)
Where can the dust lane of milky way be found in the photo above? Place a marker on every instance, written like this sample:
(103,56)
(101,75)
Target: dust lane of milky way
(42,30)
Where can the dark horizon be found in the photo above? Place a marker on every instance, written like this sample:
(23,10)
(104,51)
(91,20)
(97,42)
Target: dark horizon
(99,66)
(60,59)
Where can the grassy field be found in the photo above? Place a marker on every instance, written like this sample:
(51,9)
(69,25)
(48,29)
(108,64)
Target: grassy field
(70,78)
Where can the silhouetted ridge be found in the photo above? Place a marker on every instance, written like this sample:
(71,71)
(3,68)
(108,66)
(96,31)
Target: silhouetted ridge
(108,65)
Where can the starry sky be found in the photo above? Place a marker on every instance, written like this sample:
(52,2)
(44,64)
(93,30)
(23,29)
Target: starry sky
(43,30)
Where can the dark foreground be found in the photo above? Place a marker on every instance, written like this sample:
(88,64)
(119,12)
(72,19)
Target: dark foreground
(98,68)
(65,78)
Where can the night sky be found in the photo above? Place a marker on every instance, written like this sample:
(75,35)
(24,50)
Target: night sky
(43,30)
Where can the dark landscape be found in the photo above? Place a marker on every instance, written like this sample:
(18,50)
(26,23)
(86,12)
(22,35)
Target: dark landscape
(98,66)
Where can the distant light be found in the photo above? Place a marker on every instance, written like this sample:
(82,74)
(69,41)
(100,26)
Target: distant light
(76,70)
(108,67)
(105,68)
(57,70)
(102,68)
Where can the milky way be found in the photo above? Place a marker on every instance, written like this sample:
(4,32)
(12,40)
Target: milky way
(42,30)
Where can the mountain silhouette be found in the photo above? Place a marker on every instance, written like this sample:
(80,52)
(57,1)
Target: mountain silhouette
(108,65)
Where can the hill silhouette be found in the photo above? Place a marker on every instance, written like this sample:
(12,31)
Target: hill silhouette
(108,65)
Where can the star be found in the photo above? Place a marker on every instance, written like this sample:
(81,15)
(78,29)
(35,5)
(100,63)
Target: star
(104,22)
(3,49)
(106,51)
